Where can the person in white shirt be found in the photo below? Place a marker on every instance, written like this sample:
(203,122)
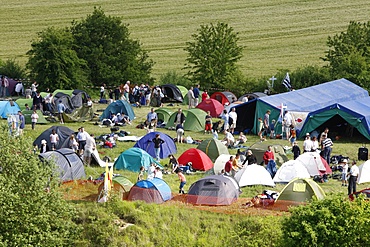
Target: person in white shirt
(353,175)
(34,118)
(151,171)
(344,172)
(48,101)
(54,138)
(19,89)
(307,144)
(229,138)
(287,122)
(234,116)
(191,97)
(158,173)
(102,91)
(89,149)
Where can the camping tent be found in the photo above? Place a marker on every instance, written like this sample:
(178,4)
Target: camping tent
(259,148)
(213,148)
(172,119)
(95,160)
(65,99)
(120,185)
(63,132)
(167,148)
(27,116)
(224,98)
(66,91)
(232,105)
(151,191)
(69,164)
(300,190)
(213,106)
(81,114)
(8,107)
(171,93)
(341,118)
(220,162)
(21,103)
(79,98)
(134,158)
(183,90)
(290,170)
(315,164)
(254,175)
(118,106)
(251,96)
(163,114)
(364,175)
(213,190)
(195,120)
(200,161)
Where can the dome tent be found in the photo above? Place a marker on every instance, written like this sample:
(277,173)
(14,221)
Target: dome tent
(120,184)
(119,106)
(254,175)
(172,93)
(200,161)
(134,158)
(167,148)
(290,170)
(225,98)
(151,191)
(213,106)
(63,132)
(163,114)
(213,148)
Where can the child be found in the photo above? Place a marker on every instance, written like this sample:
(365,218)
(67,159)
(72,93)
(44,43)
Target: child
(140,176)
(272,129)
(296,150)
(182,181)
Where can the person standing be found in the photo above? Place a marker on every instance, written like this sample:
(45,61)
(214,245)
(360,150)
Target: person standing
(179,132)
(157,146)
(54,138)
(61,109)
(307,144)
(322,136)
(19,88)
(327,145)
(152,116)
(266,121)
(102,91)
(208,125)
(205,95)
(296,150)
(4,82)
(34,118)
(48,102)
(182,181)
(269,159)
(126,91)
(81,137)
(287,122)
(180,117)
(34,86)
(196,93)
(216,128)
(234,116)
(140,176)
(225,117)
(353,175)
(89,149)
(37,102)
(22,122)
(344,172)
(73,144)
(191,97)
(151,171)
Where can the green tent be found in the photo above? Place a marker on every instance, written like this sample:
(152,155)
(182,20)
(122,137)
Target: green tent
(213,148)
(259,148)
(195,120)
(27,116)
(81,114)
(22,102)
(121,186)
(300,190)
(68,92)
(163,114)
(171,120)
(183,90)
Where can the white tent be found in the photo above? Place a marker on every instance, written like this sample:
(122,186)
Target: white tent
(220,163)
(254,175)
(364,175)
(312,161)
(95,156)
(290,170)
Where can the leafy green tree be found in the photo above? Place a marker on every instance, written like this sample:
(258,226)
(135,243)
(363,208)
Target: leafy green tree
(53,63)
(29,215)
(213,56)
(172,77)
(329,222)
(12,69)
(111,55)
(349,54)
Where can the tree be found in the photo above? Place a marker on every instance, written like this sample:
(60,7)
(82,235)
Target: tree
(12,69)
(53,63)
(349,54)
(172,77)
(111,55)
(213,56)
(29,215)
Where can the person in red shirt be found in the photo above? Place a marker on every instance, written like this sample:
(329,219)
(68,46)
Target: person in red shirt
(205,95)
(268,155)
(229,166)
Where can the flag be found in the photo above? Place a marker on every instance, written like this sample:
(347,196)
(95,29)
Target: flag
(286,82)
(107,184)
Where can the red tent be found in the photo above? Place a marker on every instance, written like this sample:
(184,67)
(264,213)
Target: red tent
(198,158)
(211,105)
(225,98)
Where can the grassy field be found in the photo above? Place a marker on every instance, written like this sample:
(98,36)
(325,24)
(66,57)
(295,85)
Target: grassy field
(275,34)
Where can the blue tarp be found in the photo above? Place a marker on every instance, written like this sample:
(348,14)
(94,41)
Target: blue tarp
(119,106)
(167,148)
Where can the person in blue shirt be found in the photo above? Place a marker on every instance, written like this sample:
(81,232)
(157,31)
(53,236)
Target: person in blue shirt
(196,93)
(61,109)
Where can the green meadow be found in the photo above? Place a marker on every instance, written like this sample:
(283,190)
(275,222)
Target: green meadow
(275,34)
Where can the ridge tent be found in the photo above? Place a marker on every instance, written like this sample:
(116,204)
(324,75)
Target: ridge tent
(120,185)
(216,190)
(69,164)
(27,116)
(172,119)
(163,114)
(213,148)
(8,108)
(63,132)
(341,118)
(314,163)
(167,148)
(200,161)
(213,106)
(300,190)
(225,98)
(172,93)
(290,170)
(254,175)
(364,175)
(220,162)
(195,120)
(151,191)
(118,106)
(251,96)
(259,148)
(134,158)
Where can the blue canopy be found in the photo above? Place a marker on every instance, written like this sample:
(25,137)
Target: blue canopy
(119,106)
(134,158)
(167,148)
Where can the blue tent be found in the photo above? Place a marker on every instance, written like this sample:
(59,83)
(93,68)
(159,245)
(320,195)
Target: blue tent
(302,100)
(151,191)
(167,148)
(134,158)
(119,106)
(355,114)
(8,107)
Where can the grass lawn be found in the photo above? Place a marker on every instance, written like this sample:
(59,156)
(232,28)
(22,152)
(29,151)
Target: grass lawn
(275,34)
